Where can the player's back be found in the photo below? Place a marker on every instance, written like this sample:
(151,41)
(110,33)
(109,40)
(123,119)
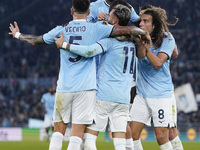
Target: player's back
(78,73)
(115,73)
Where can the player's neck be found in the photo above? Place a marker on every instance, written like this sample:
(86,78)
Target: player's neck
(79,16)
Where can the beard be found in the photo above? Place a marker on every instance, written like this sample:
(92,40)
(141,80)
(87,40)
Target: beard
(52,92)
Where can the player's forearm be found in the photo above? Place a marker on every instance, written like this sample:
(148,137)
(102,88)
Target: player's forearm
(31,39)
(128,30)
(153,59)
(86,51)
(140,50)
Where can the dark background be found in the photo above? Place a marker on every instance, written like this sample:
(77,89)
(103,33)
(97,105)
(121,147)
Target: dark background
(26,71)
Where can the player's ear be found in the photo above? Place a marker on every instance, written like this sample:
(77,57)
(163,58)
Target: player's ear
(72,11)
(88,12)
(115,21)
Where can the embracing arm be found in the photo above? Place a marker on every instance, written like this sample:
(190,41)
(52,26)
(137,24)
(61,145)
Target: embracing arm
(140,46)
(128,30)
(27,38)
(86,51)
(140,50)
(82,50)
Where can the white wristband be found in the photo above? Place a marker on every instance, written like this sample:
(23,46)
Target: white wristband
(64,45)
(17,34)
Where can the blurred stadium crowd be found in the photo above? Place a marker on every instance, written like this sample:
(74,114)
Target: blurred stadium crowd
(27,71)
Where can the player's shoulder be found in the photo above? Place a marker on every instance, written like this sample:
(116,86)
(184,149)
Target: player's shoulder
(97,3)
(169,36)
(107,40)
(104,23)
(64,25)
(57,29)
(45,94)
(100,24)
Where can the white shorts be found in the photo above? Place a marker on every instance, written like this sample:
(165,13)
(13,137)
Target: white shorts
(129,116)
(174,112)
(143,109)
(133,83)
(48,122)
(114,113)
(77,108)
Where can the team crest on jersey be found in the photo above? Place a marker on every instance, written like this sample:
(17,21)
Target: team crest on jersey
(105,23)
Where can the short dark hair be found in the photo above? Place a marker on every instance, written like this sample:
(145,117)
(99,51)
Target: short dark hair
(117,2)
(81,6)
(146,6)
(122,11)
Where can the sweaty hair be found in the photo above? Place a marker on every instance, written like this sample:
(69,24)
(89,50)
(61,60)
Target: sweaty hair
(81,6)
(122,11)
(159,21)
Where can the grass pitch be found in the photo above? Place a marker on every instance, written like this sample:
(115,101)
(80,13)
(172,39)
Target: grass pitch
(31,142)
(101,145)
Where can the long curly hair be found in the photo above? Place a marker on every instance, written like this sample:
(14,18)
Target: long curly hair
(159,21)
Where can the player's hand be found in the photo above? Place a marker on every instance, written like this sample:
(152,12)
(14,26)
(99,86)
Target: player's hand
(123,38)
(59,41)
(102,16)
(13,28)
(137,39)
(147,40)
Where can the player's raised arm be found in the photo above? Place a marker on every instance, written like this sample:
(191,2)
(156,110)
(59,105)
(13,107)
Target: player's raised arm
(102,16)
(27,38)
(140,47)
(131,30)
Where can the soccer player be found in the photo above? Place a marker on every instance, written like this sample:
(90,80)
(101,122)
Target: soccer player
(173,133)
(142,10)
(99,11)
(76,86)
(114,80)
(154,84)
(48,99)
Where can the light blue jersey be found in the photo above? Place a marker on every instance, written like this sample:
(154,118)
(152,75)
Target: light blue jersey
(77,73)
(156,83)
(48,101)
(101,6)
(115,73)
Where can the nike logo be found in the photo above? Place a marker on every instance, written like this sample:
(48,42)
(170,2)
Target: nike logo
(161,121)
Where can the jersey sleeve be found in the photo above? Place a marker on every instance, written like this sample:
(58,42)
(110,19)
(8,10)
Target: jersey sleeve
(49,37)
(134,16)
(92,17)
(106,44)
(168,45)
(43,99)
(92,50)
(103,31)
